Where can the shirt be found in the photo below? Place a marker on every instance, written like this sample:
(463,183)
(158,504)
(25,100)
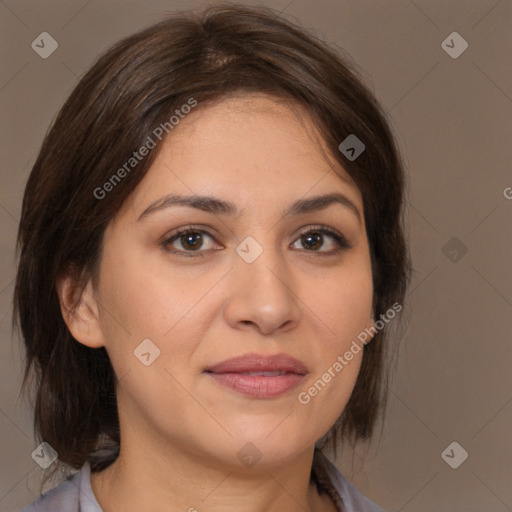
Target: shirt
(75,494)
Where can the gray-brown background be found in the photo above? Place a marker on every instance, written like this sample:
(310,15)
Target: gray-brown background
(452,118)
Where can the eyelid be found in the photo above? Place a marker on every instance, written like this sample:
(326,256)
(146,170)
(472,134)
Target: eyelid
(341,240)
(173,235)
(208,230)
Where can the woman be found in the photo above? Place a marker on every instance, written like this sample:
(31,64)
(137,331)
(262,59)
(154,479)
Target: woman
(211,248)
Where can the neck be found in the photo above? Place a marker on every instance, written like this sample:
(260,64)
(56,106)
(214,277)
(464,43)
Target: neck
(179,480)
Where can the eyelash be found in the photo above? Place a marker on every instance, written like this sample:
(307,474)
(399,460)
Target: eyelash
(321,229)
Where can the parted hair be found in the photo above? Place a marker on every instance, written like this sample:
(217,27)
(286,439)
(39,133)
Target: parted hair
(134,87)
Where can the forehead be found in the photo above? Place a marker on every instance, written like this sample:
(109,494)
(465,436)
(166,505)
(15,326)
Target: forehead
(245,148)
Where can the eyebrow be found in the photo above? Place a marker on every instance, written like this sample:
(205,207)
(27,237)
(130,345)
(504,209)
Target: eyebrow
(218,206)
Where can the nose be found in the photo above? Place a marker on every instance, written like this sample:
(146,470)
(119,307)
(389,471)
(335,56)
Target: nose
(262,295)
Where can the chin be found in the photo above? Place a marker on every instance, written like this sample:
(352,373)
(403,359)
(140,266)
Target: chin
(270,445)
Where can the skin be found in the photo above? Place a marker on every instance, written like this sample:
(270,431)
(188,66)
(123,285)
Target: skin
(180,430)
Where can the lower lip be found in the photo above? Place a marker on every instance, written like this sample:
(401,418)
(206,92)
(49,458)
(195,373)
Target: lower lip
(258,386)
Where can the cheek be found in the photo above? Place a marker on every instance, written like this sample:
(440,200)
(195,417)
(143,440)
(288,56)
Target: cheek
(343,310)
(140,301)
(342,304)
(148,300)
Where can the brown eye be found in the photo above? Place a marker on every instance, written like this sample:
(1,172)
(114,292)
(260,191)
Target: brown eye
(193,240)
(312,240)
(189,241)
(320,237)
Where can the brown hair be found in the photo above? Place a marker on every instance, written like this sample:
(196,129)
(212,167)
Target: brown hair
(132,89)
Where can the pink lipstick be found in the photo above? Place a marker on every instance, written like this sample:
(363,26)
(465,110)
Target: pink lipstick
(258,375)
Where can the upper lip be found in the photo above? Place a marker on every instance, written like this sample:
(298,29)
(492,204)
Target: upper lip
(259,362)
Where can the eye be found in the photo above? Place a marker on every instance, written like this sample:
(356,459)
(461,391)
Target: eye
(317,237)
(189,240)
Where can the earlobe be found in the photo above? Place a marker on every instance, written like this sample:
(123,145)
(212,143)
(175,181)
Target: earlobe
(80,310)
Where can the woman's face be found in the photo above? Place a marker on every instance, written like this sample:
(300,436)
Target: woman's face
(255,275)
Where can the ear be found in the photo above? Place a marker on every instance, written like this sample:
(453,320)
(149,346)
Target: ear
(80,310)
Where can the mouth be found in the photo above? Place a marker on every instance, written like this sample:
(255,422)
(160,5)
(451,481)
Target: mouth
(259,376)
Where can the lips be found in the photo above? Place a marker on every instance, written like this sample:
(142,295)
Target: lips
(259,376)
(260,363)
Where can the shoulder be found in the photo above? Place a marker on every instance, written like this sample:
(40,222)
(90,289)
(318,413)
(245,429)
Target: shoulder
(64,497)
(72,495)
(353,499)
